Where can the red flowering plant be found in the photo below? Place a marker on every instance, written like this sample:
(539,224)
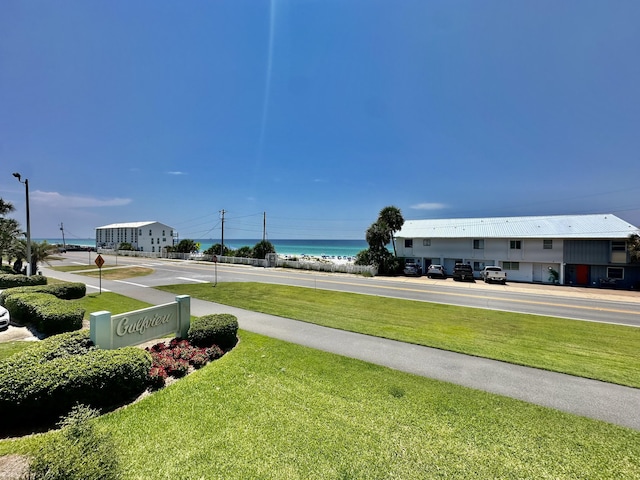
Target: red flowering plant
(157,378)
(173,359)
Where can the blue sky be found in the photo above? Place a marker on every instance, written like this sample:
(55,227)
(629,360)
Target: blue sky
(319,113)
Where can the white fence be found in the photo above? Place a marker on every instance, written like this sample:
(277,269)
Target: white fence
(318,266)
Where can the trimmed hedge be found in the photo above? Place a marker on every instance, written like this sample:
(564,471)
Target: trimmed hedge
(64,290)
(47,379)
(48,314)
(8,280)
(216,329)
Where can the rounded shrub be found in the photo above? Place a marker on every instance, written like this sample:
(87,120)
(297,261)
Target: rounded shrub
(47,313)
(216,329)
(8,280)
(49,378)
(63,291)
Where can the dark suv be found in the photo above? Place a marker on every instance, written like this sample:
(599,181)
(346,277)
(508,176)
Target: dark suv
(462,271)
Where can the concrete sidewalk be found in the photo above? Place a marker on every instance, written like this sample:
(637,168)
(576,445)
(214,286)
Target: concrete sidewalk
(594,399)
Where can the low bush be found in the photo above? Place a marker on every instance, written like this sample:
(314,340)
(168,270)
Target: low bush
(63,291)
(77,452)
(48,314)
(216,329)
(49,378)
(8,280)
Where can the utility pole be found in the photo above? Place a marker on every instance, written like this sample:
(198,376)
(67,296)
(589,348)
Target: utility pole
(222,212)
(64,245)
(264,226)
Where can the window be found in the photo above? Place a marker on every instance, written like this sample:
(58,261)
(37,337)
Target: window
(150,233)
(515,244)
(547,244)
(152,241)
(478,244)
(426,242)
(615,272)
(618,246)
(511,265)
(408,243)
(140,232)
(478,266)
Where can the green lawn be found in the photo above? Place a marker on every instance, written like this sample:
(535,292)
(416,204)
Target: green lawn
(112,302)
(593,350)
(275,410)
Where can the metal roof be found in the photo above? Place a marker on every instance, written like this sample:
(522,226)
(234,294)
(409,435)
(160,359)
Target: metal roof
(596,226)
(129,225)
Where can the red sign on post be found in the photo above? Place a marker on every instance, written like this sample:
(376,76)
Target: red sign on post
(99,261)
(215,259)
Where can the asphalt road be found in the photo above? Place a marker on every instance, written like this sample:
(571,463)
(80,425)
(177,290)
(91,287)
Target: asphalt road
(592,304)
(599,400)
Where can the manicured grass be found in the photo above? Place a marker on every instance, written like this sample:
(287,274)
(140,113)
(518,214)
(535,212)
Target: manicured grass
(108,273)
(73,268)
(273,410)
(112,302)
(120,273)
(587,349)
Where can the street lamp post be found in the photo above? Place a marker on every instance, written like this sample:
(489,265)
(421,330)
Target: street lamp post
(26,186)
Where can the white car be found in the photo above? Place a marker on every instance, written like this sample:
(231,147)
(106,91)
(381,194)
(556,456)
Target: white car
(4,317)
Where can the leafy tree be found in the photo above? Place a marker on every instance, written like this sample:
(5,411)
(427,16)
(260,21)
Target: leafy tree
(187,246)
(125,246)
(9,233)
(245,252)
(392,218)
(216,248)
(9,228)
(261,249)
(634,247)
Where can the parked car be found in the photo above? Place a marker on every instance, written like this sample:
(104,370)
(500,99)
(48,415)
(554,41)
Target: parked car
(4,317)
(436,271)
(463,271)
(412,269)
(493,273)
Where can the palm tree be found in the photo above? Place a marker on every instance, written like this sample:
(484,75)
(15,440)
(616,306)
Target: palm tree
(9,228)
(5,207)
(187,246)
(378,235)
(9,232)
(392,218)
(261,249)
(40,252)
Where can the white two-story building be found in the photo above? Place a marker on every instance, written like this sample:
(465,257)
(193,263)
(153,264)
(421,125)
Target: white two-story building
(566,249)
(143,236)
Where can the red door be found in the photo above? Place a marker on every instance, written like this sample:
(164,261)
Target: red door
(582,274)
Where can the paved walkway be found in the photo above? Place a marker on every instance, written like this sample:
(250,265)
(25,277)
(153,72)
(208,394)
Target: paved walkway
(599,400)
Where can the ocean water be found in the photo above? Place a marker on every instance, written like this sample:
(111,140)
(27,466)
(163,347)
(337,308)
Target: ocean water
(337,248)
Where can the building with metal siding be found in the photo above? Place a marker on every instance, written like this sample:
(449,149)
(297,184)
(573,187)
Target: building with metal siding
(143,236)
(566,249)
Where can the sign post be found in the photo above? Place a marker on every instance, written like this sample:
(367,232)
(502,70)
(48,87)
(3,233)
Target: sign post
(215,268)
(100,262)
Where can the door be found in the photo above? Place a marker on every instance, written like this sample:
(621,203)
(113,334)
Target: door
(582,274)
